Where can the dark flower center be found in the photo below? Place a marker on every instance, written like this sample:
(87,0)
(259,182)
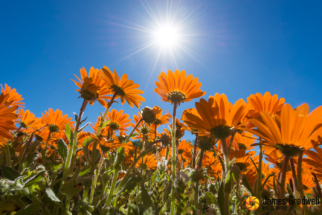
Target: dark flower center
(118,90)
(176,97)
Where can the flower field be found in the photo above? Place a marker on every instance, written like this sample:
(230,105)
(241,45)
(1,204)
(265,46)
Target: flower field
(244,154)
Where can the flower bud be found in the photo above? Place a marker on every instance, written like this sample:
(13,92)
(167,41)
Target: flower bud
(149,114)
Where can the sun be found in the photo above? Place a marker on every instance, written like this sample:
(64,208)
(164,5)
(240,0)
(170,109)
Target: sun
(166,36)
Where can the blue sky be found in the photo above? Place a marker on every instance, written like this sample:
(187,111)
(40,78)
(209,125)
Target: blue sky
(235,47)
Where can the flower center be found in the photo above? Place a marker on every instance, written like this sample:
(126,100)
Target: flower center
(53,128)
(118,90)
(289,150)
(221,131)
(144,130)
(24,125)
(176,97)
(114,126)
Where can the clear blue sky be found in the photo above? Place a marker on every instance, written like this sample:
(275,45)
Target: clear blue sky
(235,47)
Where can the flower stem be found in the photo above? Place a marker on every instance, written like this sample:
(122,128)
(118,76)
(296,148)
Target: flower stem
(174,163)
(110,196)
(194,152)
(299,181)
(97,172)
(73,143)
(283,177)
(259,178)
(8,155)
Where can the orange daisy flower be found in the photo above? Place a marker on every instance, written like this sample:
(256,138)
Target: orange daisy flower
(216,116)
(13,96)
(56,120)
(267,103)
(177,87)
(7,116)
(124,88)
(92,87)
(147,162)
(28,119)
(291,132)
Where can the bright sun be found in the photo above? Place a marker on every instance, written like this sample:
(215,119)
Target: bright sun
(166,36)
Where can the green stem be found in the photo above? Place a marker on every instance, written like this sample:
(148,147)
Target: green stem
(167,153)
(194,152)
(259,178)
(174,163)
(25,153)
(283,177)
(196,196)
(110,196)
(299,182)
(97,172)
(45,149)
(157,151)
(8,155)
(137,124)
(73,143)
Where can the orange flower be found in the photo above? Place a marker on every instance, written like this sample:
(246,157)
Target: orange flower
(7,116)
(216,117)
(3,142)
(267,103)
(177,87)
(118,120)
(14,97)
(147,162)
(124,88)
(56,120)
(28,119)
(184,151)
(314,159)
(291,132)
(162,119)
(92,87)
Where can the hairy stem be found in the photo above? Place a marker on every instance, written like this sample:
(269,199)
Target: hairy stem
(174,163)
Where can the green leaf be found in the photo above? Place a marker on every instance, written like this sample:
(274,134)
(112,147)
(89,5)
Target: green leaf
(221,198)
(30,158)
(104,124)
(130,184)
(62,149)
(50,193)
(84,171)
(56,166)
(30,209)
(147,202)
(9,172)
(34,179)
(267,180)
(247,185)
(68,132)
(86,143)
